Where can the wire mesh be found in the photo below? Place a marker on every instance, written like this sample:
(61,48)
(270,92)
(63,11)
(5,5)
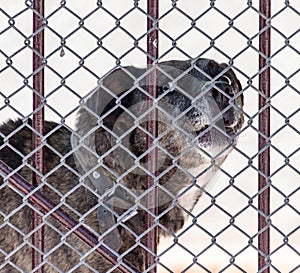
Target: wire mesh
(95,43)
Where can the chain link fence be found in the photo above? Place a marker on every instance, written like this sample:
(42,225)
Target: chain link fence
(101,159)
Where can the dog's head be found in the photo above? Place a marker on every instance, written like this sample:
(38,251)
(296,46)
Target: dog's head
(199,115)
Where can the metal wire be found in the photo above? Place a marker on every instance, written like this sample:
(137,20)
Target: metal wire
(46,206)
(67,57)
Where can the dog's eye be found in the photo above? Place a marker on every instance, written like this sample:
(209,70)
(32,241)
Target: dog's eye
(226,79)
(215,93)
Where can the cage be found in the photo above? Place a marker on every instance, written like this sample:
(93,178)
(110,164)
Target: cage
(61,58)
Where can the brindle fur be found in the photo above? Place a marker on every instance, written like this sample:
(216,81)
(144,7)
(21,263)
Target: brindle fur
(64,253)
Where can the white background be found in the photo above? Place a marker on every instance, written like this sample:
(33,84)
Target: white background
(231,44)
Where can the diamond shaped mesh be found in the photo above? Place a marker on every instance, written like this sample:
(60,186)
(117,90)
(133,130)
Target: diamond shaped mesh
(227,195)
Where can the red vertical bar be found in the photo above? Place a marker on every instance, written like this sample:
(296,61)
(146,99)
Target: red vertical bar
(38,125)
(151,198)
(264,128)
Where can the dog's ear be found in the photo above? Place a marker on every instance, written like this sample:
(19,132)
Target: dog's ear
(118,81)
(122,79)
(234,80)
(235,83)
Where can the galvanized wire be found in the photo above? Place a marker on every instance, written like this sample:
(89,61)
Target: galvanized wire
(66,57)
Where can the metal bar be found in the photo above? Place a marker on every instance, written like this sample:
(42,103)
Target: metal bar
(151,197)
(45,205)
(38,126)
(263,141)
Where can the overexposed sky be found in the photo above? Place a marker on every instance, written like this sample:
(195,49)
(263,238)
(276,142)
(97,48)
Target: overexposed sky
(230,43)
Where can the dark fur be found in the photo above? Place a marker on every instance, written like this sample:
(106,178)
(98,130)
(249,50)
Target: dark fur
(15,214)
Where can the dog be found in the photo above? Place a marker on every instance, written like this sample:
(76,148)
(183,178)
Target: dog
(97,172)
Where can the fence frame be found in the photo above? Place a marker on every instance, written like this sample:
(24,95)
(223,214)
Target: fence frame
(38,121)
(151,126)
(263,138)
(45,205)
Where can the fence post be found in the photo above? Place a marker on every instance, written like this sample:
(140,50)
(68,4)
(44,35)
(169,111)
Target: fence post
(151,197)
(38,128)
(264,134)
